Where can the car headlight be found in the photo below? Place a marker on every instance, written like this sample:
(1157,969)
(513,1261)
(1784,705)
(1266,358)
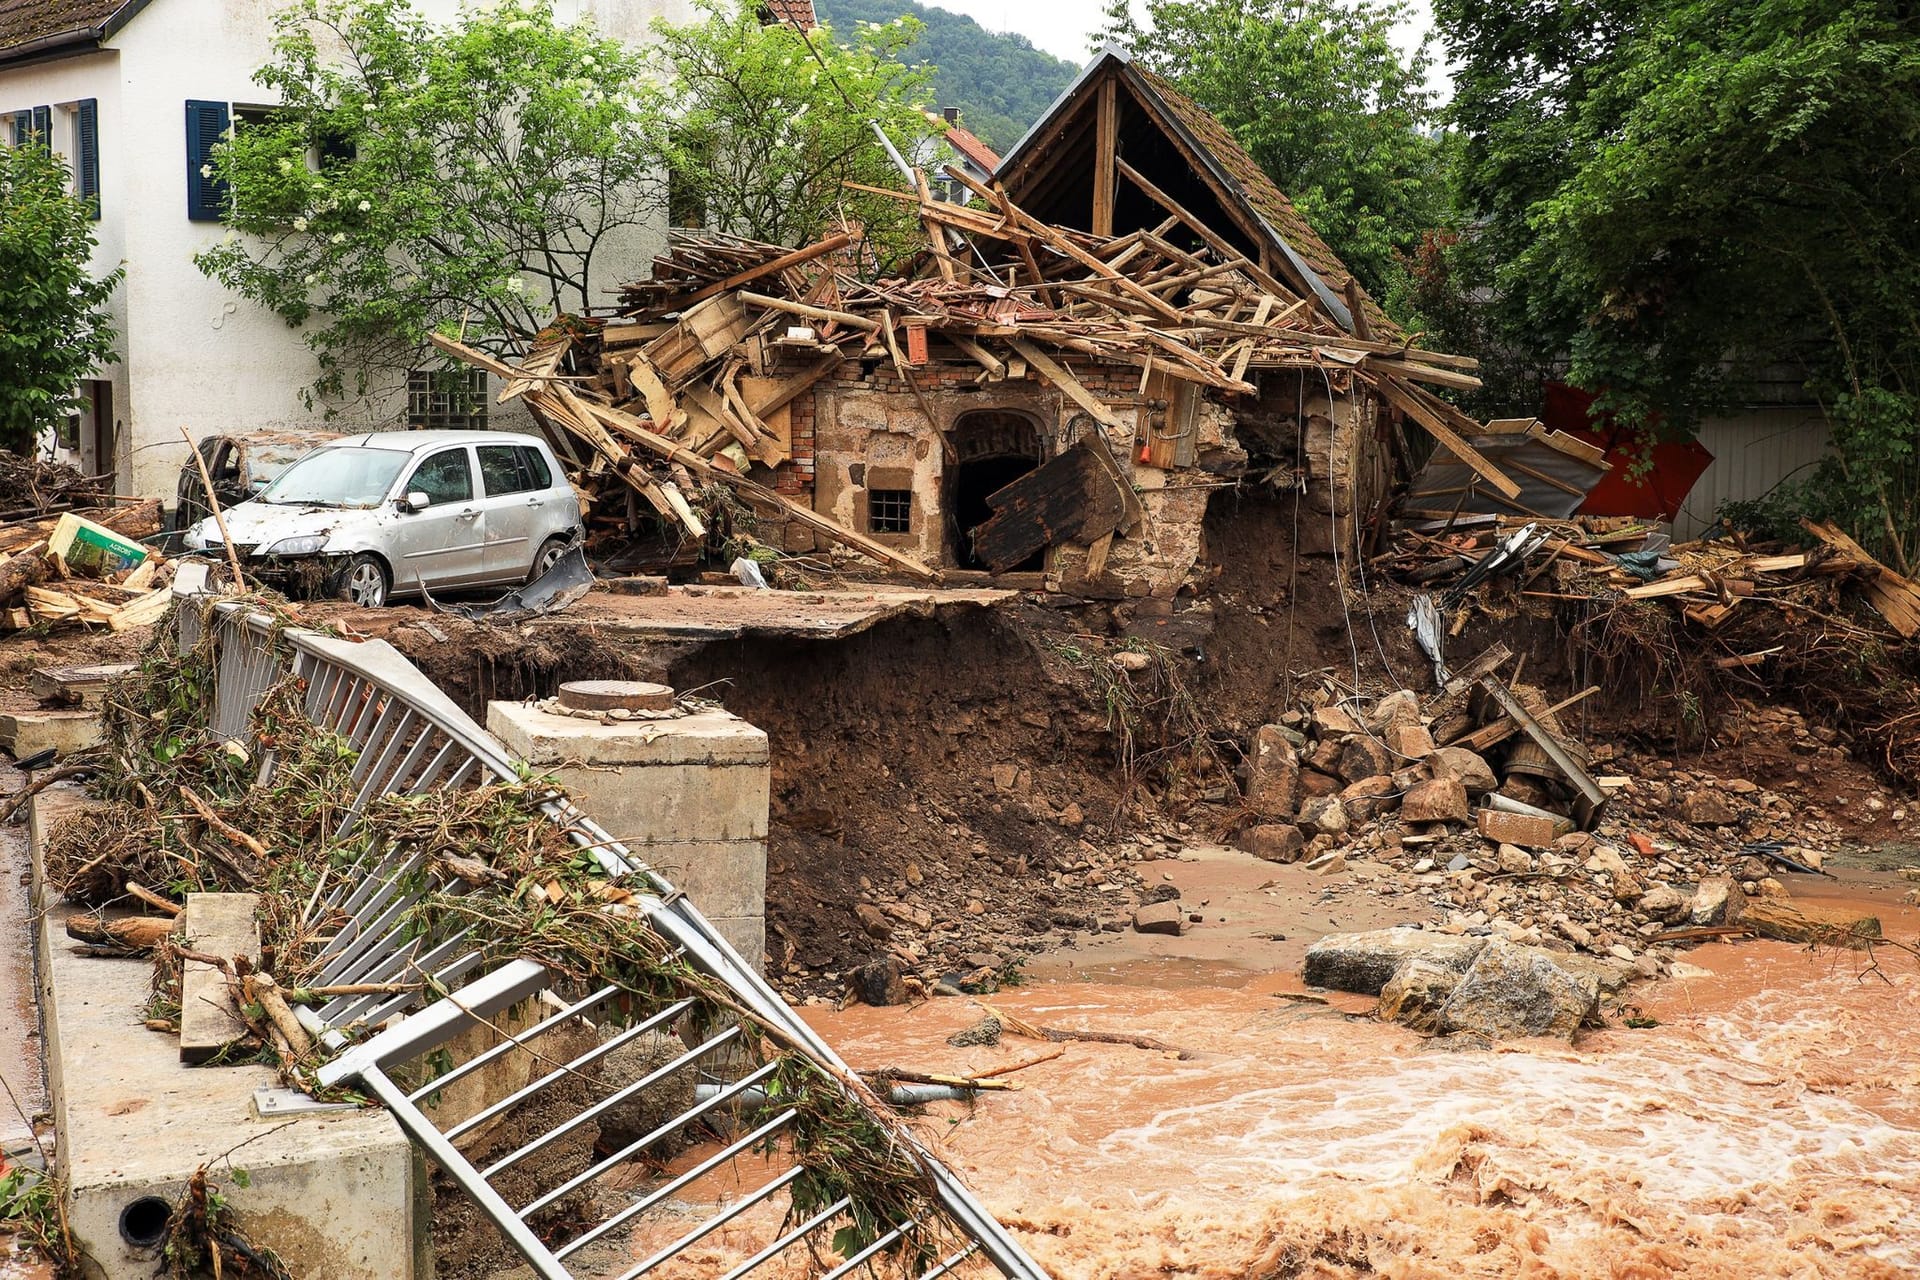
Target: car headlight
(305,545)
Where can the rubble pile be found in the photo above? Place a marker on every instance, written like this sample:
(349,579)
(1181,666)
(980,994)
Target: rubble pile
(1692,627)
(85,567)
(665,409)
(1446,799)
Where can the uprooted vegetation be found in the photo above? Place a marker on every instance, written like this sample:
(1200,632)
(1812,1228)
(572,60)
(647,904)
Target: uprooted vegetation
(183,811)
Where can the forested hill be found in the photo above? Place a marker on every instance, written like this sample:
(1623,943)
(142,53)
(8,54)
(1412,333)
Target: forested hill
(1000,82)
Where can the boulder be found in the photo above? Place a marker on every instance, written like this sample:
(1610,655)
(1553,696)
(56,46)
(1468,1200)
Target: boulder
(1409,741)
(1368,798)
(1315,783)
(880,983)
(1511,991)
(1362,756)
(1717,900)
(1161,917)
(1362,962)
(1707,808)
(1664,903)
(1273,774)
(1465,766)
(1274,842)
(872,921)
(1324,815)
(1334,722)
(1325,755)
(1513,860)
(1436,800)
(1417,992)
(1399,709)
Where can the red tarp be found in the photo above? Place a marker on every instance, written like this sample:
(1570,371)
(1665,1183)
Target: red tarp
(1657,495)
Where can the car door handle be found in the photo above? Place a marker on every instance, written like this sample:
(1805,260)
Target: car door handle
(468,515)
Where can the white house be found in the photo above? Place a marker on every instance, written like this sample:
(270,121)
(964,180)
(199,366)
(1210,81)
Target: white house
(133,93)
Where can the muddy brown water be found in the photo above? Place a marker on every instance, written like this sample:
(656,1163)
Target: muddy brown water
(1769,1125)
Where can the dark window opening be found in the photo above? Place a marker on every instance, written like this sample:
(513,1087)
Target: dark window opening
(889,511)
(973,482)
(454,399)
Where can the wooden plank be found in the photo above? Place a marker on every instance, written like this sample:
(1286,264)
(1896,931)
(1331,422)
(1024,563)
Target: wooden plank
(797,258)
(1106,143)
(215,924)
(769,395)
(1069,385)
(1572,446)
(822,314)
(995,367)
(1066,499)
(144,611)
(1668,587)
(1410,402)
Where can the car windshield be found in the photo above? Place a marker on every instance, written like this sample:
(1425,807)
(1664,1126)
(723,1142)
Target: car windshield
(352,477)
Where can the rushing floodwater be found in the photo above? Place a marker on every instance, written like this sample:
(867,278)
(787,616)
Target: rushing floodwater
(1769,1127)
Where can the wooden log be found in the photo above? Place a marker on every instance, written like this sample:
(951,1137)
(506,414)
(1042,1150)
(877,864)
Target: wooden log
(1810,922)
(130,933)
(24,569)
(822,314)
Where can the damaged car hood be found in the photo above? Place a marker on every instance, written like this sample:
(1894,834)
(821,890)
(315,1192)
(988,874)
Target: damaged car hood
(261,524)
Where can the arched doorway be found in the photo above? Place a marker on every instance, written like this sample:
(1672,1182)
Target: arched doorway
(992,448)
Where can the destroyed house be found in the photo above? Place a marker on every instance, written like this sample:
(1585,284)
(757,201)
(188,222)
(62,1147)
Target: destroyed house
(1130,321)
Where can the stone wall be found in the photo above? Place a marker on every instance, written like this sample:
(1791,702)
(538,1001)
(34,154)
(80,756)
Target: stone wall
(865,430)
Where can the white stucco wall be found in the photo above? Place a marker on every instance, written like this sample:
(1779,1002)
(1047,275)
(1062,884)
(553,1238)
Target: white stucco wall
(195,355)
(62,83)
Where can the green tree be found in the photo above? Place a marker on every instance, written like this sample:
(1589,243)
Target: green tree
(1325,102)
(1672,194)
(1000,82)
(419,177)
(54,326)
(768,122)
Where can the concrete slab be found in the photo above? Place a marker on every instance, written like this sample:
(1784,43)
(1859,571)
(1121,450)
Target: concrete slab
(28,733)
(82,686)
(338,1195)
(719,613)
(217,924)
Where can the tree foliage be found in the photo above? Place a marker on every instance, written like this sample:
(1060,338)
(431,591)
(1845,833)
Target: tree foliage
(1000,82)
(768,122)
(1324,101)
(54,326)
(1674,194)
(419,177)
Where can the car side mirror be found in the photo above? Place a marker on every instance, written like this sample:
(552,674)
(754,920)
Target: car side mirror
(416,501)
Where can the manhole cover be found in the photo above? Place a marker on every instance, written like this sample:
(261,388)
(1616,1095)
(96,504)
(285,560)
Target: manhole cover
(611,695)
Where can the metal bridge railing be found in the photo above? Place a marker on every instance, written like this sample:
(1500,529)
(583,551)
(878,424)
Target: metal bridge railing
(411,738)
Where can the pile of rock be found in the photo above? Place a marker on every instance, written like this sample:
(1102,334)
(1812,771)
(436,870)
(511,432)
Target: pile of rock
(1486,839)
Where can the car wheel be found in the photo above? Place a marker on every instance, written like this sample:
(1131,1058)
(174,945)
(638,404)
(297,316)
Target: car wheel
(550,552)
(363,582)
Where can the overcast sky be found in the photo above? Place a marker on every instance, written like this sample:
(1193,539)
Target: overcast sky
(1062,27)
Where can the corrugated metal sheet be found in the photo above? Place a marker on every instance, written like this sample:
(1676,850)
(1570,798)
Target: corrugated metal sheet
(1752,452)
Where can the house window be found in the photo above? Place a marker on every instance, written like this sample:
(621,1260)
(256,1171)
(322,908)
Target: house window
(454,399)
(889,511)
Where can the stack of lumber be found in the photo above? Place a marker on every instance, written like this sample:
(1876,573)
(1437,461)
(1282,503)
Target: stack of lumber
(690,385)
(42,585)
(32,487)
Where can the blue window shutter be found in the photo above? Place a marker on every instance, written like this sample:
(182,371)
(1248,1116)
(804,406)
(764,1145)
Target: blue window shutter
(86,154)
(43,125)
(206,196)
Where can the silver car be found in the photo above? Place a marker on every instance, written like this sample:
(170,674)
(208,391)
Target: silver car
(371,517)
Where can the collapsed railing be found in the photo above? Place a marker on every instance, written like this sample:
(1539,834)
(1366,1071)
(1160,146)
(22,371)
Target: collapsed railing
(411,738)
